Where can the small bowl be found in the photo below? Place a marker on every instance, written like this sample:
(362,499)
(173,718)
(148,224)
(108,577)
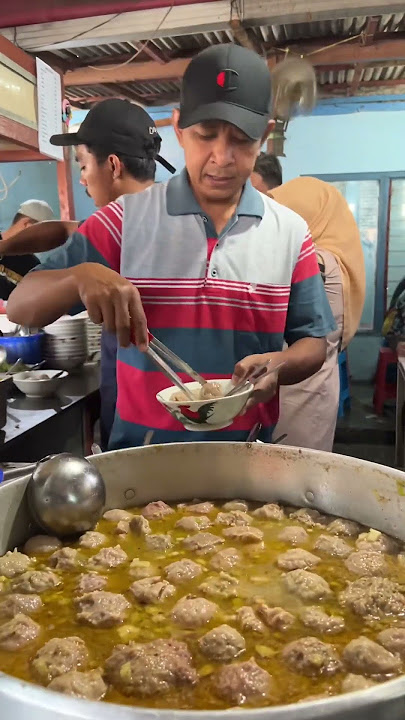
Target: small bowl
(31,384)
(203,415)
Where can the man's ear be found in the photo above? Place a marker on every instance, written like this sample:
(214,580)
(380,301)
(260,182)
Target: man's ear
(177,129)
(115,166)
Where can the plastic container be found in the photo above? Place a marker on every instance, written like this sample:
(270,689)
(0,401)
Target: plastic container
(29,348)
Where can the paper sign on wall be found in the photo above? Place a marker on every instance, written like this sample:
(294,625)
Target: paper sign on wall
(49,92)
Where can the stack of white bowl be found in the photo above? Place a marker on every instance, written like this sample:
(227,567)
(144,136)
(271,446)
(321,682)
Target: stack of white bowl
(66,343)
(93,338)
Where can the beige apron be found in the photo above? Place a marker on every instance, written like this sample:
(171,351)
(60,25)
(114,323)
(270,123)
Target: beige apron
(308,410)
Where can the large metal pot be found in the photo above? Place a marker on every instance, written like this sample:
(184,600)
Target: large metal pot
(347,487)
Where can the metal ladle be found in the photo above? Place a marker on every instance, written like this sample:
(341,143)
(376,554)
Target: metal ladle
(66,494)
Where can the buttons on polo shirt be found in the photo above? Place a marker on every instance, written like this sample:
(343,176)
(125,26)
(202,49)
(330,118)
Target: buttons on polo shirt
(205,219)
(214,272)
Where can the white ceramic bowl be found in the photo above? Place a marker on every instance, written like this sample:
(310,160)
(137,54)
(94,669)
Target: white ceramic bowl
(30,383)
(203,415)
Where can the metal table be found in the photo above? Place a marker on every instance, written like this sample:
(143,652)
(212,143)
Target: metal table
(37,427)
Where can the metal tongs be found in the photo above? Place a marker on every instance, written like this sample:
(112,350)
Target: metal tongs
(159,353)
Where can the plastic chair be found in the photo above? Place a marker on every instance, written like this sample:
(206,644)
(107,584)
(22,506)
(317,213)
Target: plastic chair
(344,396)
(384,390)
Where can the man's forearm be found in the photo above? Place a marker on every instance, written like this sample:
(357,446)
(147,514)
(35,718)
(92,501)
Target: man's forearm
(42,297)
(37,238)
(302,359)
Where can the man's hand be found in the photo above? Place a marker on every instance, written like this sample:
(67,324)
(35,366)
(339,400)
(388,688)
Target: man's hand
(265,388)
(299,361)
(113,301)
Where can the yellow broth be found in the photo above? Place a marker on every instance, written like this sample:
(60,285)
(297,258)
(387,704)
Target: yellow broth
(258,576)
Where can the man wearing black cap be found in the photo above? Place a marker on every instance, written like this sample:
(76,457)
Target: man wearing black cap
(220,273)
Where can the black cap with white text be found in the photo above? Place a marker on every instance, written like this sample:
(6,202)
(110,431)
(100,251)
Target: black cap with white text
(120,127)
(230,83)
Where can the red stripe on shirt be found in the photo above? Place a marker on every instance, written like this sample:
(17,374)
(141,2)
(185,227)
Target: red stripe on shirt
(137,402)
(212,305)
(185,283)
(104,231)
(250,296)
(307,263)
(219,315)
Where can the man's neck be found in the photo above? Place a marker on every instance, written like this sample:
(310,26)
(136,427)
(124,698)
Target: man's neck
(130,186)
(219,212)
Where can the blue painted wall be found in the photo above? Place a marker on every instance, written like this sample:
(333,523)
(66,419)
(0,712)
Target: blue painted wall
(34,180)
(358,142)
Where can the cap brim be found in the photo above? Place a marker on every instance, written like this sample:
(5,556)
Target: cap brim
(251,123)
(66,139)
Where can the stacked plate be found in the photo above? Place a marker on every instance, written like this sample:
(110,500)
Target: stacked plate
(66,343)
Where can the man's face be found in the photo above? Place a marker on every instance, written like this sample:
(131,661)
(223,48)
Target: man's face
(219,158)
(21,224)
(258,183)
(96,178)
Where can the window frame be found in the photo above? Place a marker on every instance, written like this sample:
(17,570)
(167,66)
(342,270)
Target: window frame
(384,179)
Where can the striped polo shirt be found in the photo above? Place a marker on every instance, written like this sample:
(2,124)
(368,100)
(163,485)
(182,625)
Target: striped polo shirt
(212,299)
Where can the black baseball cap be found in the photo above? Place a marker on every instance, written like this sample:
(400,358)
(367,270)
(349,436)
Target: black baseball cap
(230,83)
(121,127)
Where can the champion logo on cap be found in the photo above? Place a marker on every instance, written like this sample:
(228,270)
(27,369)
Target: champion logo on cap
(227,79)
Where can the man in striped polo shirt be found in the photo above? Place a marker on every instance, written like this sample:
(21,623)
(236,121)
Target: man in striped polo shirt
(216,270)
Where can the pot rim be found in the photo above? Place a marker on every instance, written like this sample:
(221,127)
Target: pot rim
(62,706)
(79,709)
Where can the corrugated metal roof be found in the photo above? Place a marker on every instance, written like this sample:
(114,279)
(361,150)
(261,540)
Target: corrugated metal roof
(267,36)
(272,35)
(379,74)
(339,29)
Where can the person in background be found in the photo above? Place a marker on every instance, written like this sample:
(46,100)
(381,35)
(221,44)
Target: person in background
(267,173)
(117,147)
(201,260)
(393,330)
(308,410)
(13,269)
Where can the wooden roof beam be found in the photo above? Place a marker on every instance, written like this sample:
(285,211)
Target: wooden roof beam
(367,38)
(355,84)
(369,33)
(242,36)
(133,72)
(154,53)
(348,53)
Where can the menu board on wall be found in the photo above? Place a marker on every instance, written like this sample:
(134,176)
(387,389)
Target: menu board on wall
(49,92)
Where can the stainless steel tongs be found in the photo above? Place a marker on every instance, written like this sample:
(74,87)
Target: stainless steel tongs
(160,353)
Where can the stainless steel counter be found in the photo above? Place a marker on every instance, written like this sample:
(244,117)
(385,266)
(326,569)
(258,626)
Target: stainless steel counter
(37,427)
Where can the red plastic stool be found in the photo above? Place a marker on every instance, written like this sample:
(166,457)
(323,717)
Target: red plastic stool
(382,389)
